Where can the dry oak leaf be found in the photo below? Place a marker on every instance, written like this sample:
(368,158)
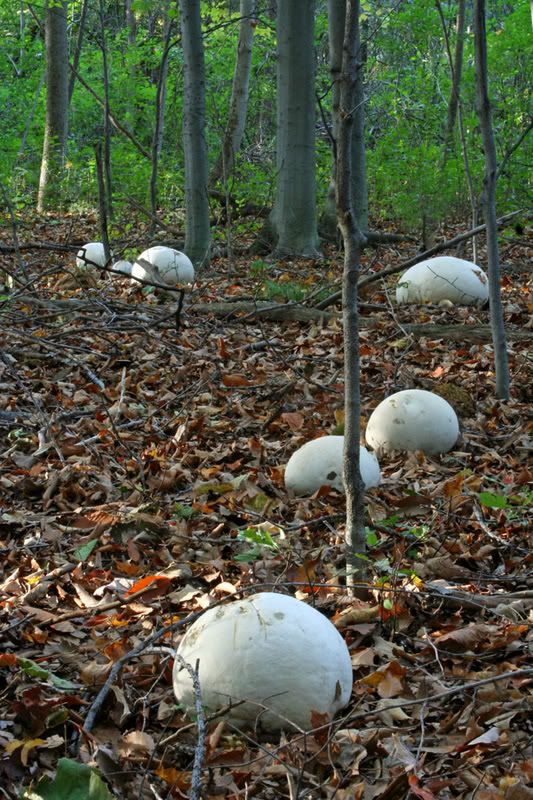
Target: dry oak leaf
(387,680)
(466,638)
(137,744)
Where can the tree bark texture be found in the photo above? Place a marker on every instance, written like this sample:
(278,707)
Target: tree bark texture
(239,96)
(359,188)
(198,235)
(160,104)
(78,49)
(353,241)
(456,70)
(56,124)
(501,361)
(294,214)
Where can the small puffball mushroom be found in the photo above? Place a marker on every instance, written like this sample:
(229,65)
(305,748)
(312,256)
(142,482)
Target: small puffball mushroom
(413,420)
(163,265)
(278,653)
(320,463)
(124,267)
(443,279)
(91,254)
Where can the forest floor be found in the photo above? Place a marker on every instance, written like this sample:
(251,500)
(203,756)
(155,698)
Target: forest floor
(142,480)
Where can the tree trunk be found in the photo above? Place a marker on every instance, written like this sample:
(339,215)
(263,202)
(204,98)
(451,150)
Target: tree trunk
(501,361)
(160,103)
(359,188)
(294,214)
(77,51)
(239,96)
(56,125)
(107,124)
(456,69)
(353,241)
(198,236)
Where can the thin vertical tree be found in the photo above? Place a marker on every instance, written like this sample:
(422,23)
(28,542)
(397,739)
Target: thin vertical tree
(197,231)
(359,189)
(160,106)
(488,200)
(293,218)
(238,105)
(353,240)
(56,124)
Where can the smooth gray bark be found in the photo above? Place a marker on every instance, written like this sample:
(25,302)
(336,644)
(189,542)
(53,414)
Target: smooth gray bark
(197,234)
(501,361)
(293,217)
(456,70)
(359,188)
(238,106)
(78,49)
(160,104)
(56,125)
(353,242)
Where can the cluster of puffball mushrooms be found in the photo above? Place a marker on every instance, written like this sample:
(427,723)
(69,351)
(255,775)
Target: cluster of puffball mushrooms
(272,659)
(269,660)
(159,264)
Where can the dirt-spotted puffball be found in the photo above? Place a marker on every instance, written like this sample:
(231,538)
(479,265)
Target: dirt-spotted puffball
(280,655)
(163,265)
(91,254)
(123,267)
(443,279)
(320,463)
(413,420)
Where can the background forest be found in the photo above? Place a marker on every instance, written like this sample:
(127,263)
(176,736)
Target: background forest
(407,90)
(165,436)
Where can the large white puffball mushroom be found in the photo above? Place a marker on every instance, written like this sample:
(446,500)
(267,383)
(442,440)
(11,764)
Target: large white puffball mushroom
(163,265)
(413,420)
(91,254)
(443,279)
(123,267)
(279,654)
(320,463)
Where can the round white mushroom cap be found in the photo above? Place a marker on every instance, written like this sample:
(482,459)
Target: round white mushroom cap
(320,463)
(91,254)
(413,420)
(282,656)
(443,278)
(123,266)
(163,265)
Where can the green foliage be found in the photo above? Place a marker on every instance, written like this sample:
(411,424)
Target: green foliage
(73,781)
(261,539)
(408,87)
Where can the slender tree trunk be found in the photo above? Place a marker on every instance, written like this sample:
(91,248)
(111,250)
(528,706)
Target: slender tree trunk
(455,108)
(160,102)
(336,19)
(198,235)
(107,124)
(77,51)
(56,125)
(239,96)
(456,70)
(293,217)
(501,362)
(353,242)
(131,25)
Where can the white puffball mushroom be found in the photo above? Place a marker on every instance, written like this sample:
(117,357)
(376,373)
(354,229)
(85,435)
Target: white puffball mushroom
(91,254)
(278,653)
(445,278)
(413,420)
(320,463)
(163,265)
(122,266)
